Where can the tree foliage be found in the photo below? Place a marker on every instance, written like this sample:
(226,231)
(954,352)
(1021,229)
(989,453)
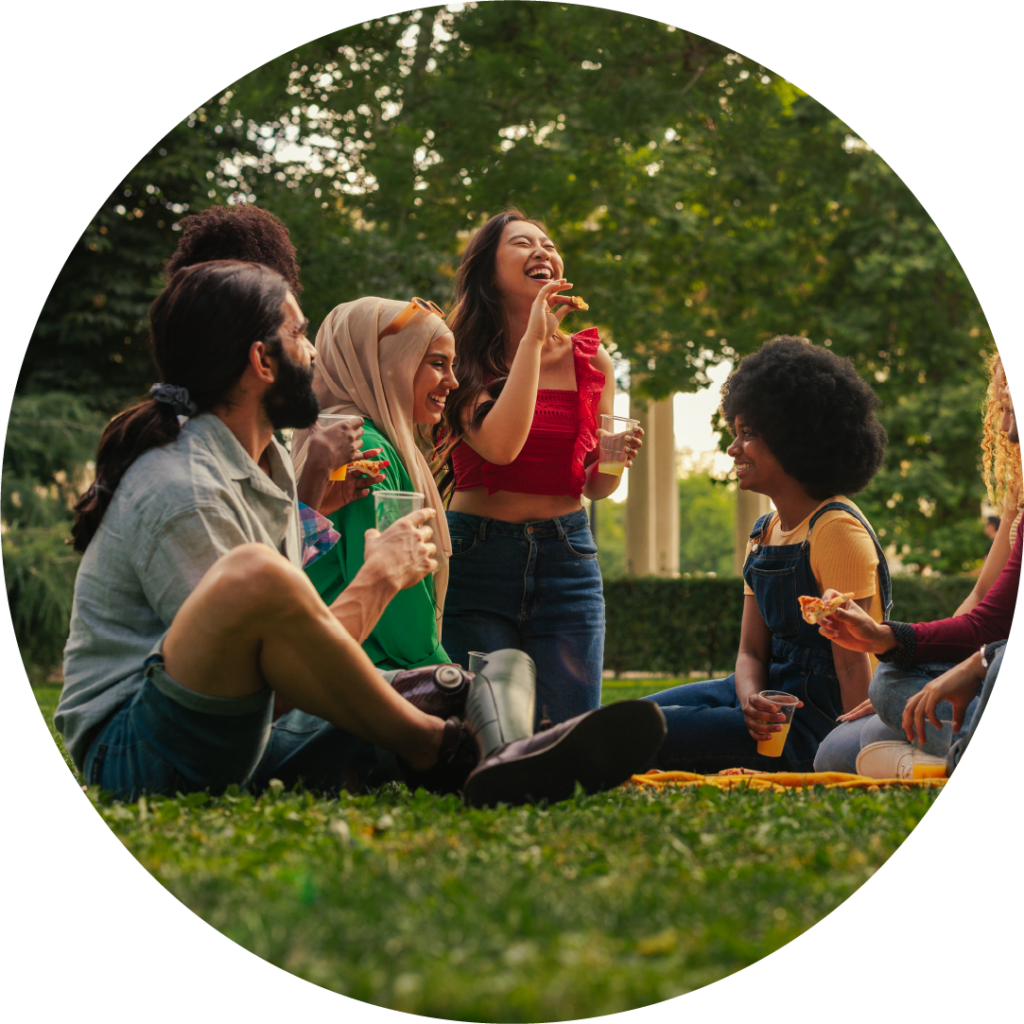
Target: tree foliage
(702,205)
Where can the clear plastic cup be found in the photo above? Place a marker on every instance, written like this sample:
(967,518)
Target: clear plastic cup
(476,660)
(786,704)
(615,432)
(390,506)
(329,419)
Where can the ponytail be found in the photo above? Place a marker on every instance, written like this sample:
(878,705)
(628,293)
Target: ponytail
(128,435)
(202,326)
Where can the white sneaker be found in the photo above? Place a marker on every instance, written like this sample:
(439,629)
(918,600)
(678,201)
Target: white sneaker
(893,759)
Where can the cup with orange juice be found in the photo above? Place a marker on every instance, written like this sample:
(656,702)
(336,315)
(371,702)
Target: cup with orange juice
(615,432)
(329,419)
(785,703)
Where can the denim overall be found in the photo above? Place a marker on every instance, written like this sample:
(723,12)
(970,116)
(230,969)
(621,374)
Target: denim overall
(706,731)
(802,661)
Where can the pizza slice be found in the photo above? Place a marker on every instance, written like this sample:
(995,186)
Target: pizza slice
(368,466)
(578,303)
(814,609)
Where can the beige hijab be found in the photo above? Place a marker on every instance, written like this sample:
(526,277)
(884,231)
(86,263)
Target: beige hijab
(358,376)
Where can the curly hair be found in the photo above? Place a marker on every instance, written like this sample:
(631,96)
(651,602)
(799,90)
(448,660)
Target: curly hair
(246,233)
(1000,459)
(814,411)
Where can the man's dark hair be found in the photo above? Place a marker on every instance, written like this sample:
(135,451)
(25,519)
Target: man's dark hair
(814,411)
(246,233)
(202,326)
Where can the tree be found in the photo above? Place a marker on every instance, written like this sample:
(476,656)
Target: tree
(702,204)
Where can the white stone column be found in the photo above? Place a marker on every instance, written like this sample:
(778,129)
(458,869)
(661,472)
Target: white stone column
(665,465)
(652,508)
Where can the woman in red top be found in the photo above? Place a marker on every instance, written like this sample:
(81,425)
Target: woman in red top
(520,448)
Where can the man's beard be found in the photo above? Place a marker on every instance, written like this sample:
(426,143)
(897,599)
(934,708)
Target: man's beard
(290,401)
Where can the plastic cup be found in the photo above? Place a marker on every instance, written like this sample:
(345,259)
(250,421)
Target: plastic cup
(786,704)
(615,432)
(390,506)
(329,419)
(476,661)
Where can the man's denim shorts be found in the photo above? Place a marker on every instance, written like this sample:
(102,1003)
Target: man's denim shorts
(169,739)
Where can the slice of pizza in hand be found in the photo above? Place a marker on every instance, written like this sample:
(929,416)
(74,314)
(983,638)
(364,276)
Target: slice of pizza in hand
(814,609)
(368,466)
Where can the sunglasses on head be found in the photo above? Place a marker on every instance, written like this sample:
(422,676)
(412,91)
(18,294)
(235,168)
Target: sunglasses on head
(417,305)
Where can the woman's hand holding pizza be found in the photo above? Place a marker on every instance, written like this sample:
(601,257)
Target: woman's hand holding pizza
(549,309)
(356,485)
(851,627)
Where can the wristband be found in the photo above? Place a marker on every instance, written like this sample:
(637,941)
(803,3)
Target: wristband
(902,655)
(988,652)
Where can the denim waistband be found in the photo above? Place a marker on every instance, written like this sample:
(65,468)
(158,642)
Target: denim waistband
(484,527)
(805,658)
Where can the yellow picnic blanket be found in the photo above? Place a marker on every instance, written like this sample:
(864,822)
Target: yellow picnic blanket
(778,782)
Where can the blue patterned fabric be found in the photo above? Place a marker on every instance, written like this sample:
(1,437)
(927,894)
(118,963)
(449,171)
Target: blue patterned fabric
(318,535)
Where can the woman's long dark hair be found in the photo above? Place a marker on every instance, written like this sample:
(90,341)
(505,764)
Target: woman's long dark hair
(201,329)
(480,326)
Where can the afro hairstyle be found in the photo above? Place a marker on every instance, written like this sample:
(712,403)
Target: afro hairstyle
(242,232)
(814,411)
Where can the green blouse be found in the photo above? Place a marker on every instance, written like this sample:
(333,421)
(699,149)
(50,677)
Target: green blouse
(406,635)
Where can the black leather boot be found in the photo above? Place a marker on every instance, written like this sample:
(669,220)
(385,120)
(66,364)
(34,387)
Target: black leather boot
(600,749)
(456,759)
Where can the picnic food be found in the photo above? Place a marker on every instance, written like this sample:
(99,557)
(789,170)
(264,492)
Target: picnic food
(368,466)
(814,609)
(578,303)
(360,466)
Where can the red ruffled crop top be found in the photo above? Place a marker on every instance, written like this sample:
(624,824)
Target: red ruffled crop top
(564,429)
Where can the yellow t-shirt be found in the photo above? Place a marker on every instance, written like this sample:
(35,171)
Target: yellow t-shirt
(843,555)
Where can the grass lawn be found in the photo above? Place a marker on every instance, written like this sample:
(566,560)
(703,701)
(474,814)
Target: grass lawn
(592,906)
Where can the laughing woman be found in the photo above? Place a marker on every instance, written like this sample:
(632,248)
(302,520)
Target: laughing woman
(391,363)
(805,435)
(520,450)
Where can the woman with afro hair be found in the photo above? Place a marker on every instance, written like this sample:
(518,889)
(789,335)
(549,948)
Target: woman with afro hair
(806,435)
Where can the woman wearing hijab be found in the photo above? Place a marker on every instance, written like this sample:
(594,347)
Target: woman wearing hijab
(391,363)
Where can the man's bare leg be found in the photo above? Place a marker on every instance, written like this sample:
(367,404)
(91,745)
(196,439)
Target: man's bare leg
(255,620)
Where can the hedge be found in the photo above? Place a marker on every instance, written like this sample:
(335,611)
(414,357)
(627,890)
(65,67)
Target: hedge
(654,625)
(693,625)
(39,570)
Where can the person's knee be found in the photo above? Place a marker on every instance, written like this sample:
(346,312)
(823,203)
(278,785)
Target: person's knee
(252,575)
(837,752)
(881,682)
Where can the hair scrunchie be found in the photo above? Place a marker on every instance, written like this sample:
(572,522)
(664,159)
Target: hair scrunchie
(177,398)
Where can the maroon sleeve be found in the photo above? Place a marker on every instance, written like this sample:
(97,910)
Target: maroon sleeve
(958,638)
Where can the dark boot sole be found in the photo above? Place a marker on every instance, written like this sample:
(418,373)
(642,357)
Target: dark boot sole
(601,752)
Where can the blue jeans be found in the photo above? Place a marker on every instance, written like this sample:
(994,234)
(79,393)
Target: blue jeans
(707,733)
(169,739)
(890,689)
(839,749)
(977,709)
(535,587)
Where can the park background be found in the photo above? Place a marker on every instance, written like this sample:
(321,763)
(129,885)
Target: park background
(702,203)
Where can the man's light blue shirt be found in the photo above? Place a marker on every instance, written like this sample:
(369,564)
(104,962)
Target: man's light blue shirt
(174,513)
